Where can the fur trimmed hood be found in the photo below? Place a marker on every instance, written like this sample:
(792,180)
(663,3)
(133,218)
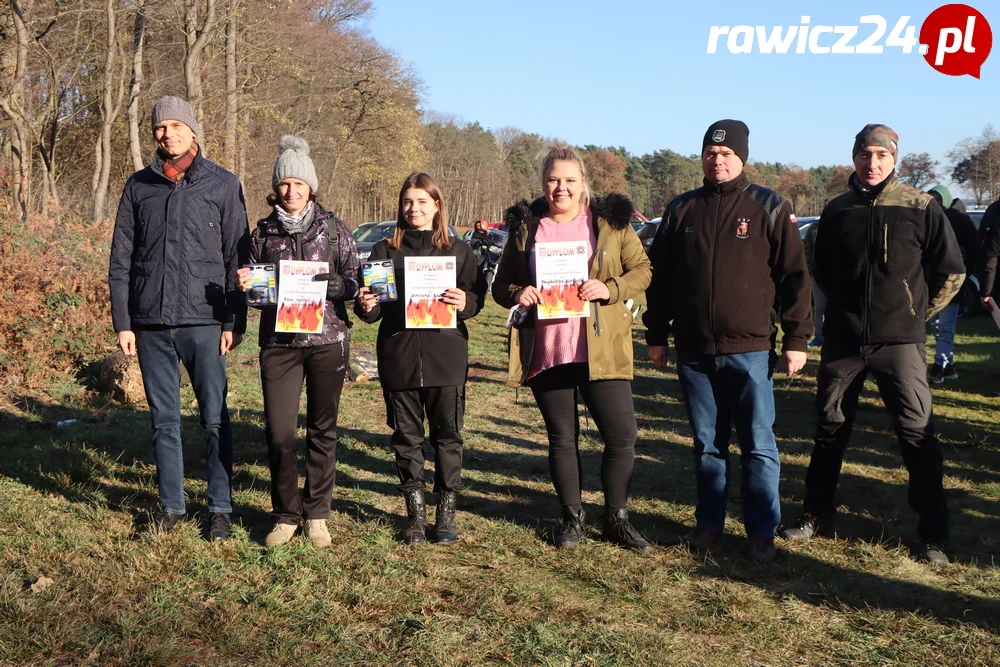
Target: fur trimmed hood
(616,209)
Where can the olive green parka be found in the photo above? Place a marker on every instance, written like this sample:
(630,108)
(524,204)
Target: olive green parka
(619,262)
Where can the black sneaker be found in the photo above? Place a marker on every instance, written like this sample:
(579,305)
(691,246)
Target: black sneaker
(936,374)
(619,531)
(807,526)
(220,526)
(165,521)
(950,372)
(933,553)
(573,528)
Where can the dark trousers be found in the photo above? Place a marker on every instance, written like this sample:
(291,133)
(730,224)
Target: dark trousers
(610,404)
(282,370)
(161,350)
(901,373)
(445,411)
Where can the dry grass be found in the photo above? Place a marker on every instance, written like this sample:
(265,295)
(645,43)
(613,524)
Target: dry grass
(72,501)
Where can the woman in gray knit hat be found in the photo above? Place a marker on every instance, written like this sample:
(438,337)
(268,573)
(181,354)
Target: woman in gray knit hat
(298,228)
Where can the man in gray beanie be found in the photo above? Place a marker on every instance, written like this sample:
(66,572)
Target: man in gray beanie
(175,298)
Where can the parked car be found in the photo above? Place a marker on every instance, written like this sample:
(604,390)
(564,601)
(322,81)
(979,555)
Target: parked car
(361,229)
(646,233)
(638,220)
(976,215)
(379,231)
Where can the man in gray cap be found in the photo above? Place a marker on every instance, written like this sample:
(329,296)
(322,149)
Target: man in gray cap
(888,261)
(180,235)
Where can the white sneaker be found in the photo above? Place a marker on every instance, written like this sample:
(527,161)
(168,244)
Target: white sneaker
(280,534)
(317,532)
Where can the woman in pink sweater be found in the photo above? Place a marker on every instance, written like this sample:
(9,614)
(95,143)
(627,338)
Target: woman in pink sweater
(592,354)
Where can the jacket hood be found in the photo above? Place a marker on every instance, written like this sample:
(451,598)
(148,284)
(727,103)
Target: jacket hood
(945,195)
(616,209)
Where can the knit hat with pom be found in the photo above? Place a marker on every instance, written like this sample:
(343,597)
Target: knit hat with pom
(294,162)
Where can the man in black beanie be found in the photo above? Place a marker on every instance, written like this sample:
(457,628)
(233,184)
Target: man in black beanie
(723,257)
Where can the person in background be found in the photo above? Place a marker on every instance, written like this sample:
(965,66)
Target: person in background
(298,228)
(724,256)
(818,298)
(424,371)
(946,322)
(180,235)
(557,358)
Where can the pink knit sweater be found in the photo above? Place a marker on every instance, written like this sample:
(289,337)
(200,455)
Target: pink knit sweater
(562,341)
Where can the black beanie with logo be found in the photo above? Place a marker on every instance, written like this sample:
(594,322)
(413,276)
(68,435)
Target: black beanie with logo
(733,134)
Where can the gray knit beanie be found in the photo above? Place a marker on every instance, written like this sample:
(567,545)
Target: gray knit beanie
(294,162)
(174,108)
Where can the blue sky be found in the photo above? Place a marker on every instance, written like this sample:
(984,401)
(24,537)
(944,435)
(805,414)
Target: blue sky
(636,74)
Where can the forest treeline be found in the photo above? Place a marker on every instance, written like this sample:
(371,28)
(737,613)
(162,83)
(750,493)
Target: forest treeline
(78,78)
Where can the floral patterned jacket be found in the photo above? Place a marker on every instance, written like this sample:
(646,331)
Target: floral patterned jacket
(326,240)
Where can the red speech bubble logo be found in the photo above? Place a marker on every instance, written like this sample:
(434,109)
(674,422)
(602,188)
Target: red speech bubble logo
(956,40)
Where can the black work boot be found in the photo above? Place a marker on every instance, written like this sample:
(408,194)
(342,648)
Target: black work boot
(618,530)
(573,528)
(445,533)
(416,517)
(165,521)
(220,526)
(807,526)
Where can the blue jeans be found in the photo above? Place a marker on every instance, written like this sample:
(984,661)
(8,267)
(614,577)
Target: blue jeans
(944,334)
(197,347)
(719,391)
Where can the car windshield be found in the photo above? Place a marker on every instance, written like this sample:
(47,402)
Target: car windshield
(376,233)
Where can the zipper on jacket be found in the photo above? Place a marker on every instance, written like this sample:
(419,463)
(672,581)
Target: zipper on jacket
(885,245)
(909,296)
(715,257)
(870,235)
(597,306)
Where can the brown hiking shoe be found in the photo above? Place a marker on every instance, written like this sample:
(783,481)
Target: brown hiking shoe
(761,550)
(702,539)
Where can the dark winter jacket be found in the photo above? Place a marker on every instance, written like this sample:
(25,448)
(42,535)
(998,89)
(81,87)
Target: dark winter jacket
(176,249)
(968,238)
(989,229)
(619,262)
(415,358)
(316,244)
(873,249)
(727,259)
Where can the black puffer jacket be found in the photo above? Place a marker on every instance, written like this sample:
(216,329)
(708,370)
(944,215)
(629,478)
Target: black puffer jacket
(177,247)
(415,358)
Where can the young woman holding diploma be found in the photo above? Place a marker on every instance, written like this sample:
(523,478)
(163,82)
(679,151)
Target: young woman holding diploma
(555,357)
(423,370)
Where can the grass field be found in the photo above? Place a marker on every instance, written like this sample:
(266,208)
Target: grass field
(73,499)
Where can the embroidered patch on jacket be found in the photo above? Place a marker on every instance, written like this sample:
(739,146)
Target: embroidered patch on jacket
(719,136)
(743,228)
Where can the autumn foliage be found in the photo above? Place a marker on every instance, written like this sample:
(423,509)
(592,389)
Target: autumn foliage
(56,315)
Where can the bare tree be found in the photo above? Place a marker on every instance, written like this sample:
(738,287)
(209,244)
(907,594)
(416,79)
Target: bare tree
(12,103)
(138,41)
(197,35)
(111,105)
(232,101)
